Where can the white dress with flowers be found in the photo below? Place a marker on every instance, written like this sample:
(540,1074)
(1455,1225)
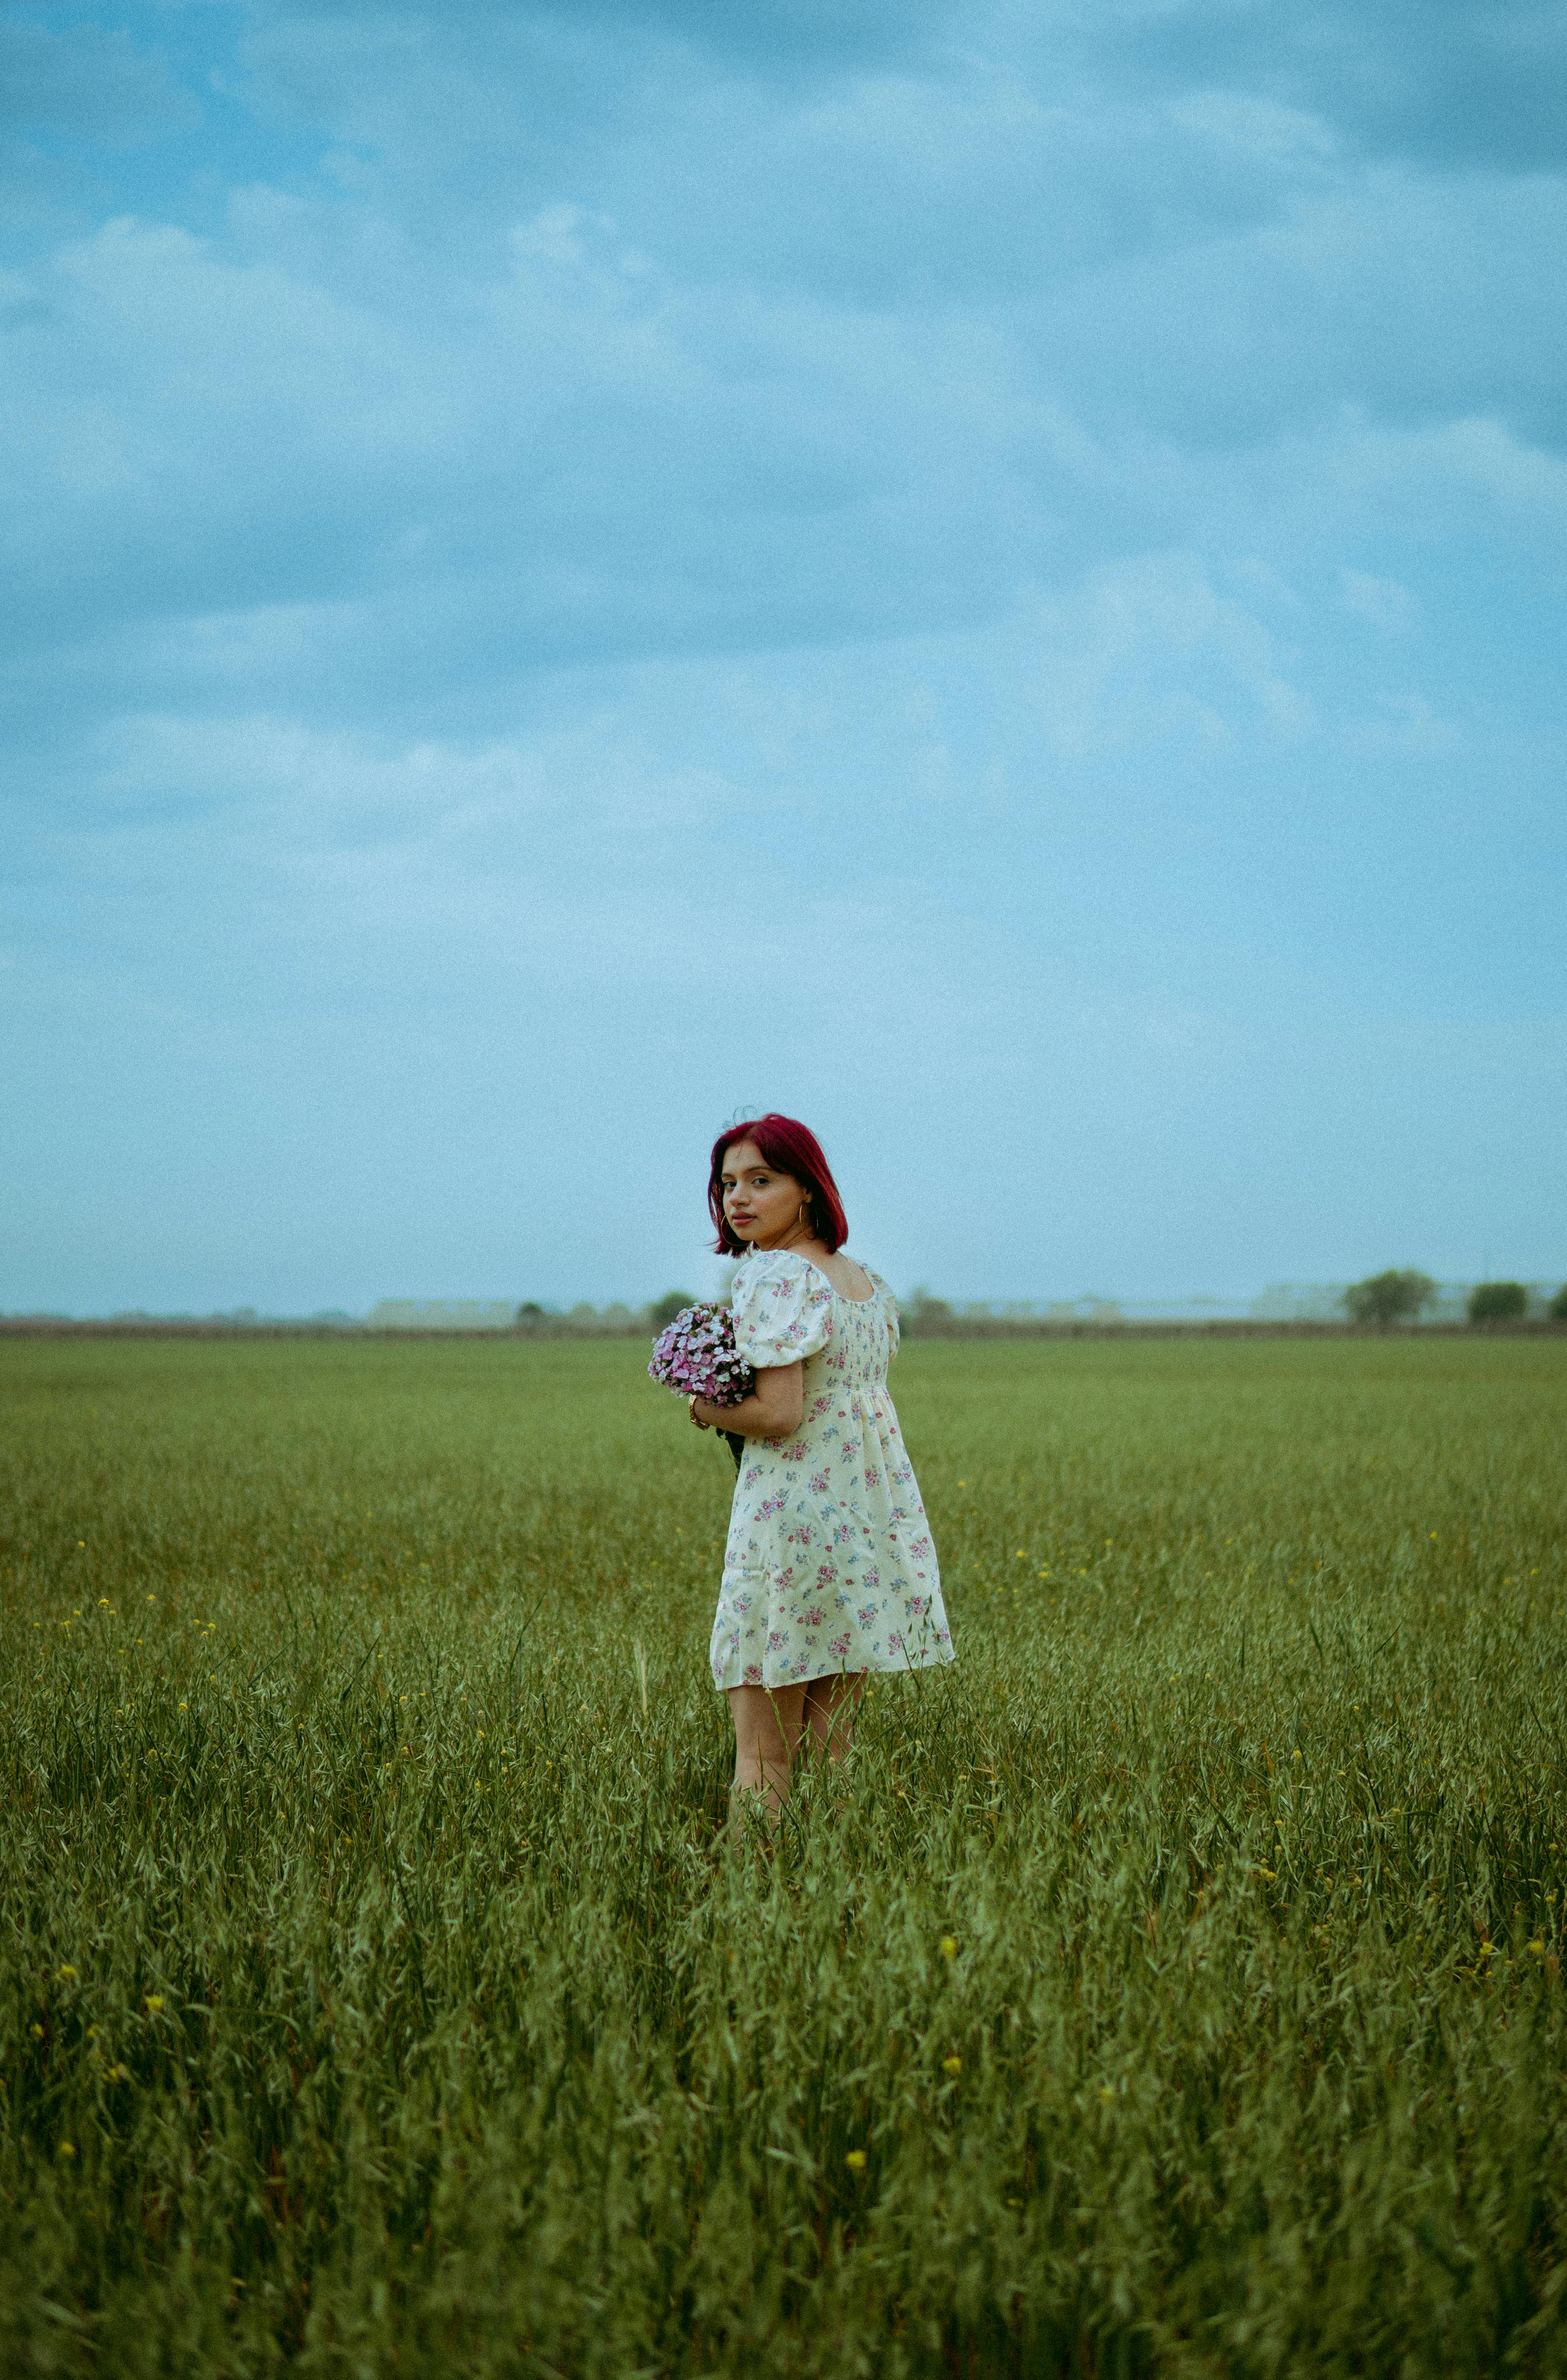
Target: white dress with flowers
(829,1565)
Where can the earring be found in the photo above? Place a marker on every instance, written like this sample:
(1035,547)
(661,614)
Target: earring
(804,1215)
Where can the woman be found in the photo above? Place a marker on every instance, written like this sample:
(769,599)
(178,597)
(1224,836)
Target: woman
(829,1570)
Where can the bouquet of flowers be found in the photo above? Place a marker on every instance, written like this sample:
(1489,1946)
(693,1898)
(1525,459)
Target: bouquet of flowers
(696,1356)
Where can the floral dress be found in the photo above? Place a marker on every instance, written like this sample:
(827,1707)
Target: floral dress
(829,1565)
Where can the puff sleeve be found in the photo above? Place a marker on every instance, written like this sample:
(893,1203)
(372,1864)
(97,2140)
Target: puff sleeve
(783,1309)
(894,1332)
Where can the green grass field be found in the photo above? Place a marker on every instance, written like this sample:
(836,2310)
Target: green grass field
(1172,1986)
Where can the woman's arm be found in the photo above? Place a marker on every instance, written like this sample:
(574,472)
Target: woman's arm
(772,1409)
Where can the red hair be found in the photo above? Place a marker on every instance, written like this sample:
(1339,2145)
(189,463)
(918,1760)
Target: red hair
(789,1147)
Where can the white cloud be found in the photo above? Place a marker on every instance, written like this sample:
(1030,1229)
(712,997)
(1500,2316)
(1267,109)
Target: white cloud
(1407,722)
(1478,457)
(1259,127)
(1150,652)
(1383,602)
(289,793)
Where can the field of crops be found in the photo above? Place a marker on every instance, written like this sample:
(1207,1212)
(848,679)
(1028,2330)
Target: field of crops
(1172,1986)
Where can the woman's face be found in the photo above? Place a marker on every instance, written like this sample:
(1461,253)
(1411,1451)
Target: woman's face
(760,1204)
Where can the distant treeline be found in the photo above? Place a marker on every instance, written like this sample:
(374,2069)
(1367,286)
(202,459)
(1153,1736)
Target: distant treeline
(1389,1300)
(1385,1300)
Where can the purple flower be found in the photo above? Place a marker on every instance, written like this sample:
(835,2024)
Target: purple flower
(696,1356)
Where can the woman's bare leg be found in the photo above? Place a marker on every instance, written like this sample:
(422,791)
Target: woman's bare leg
(830,1705)
(766,1731)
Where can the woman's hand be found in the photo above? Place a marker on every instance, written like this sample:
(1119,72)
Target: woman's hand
(773,1409)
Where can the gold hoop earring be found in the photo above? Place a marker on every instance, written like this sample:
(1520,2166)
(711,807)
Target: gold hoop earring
(804,1215)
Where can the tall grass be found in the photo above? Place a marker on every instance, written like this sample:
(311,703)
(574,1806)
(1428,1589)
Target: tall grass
(1172,1986)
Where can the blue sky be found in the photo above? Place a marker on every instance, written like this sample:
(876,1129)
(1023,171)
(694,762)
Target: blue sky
(992,577)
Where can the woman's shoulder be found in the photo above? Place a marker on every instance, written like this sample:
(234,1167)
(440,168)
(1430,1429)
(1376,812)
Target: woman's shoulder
(773,1272)
(776,1269)
(770,1265)
(782,1307)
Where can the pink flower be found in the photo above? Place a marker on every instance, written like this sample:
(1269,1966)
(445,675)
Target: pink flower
(697,1355)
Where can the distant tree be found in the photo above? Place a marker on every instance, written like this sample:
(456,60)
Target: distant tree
(663,1311)
(529,1316)
(1390,1297)
(1498,1301)
(920,1311)
(1557,1309)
